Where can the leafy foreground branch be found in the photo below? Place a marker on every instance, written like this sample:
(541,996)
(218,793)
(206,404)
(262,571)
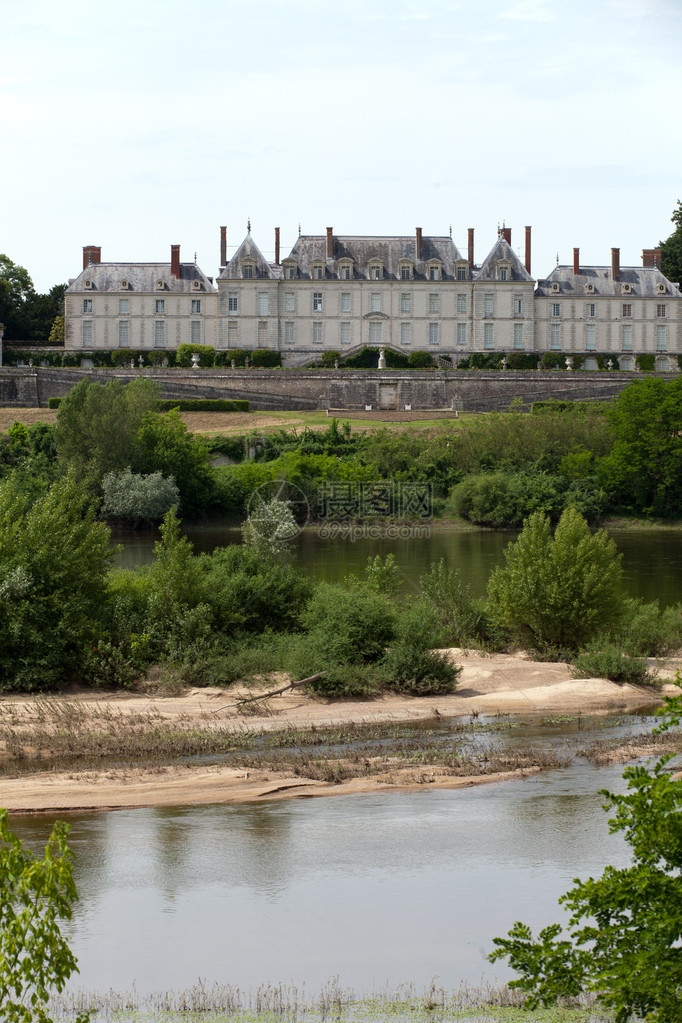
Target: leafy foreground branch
(35,894)
(625,927)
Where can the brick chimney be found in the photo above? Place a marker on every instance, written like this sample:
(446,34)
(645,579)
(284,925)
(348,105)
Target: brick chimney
(615,264)
(223,247)
(528,250)
(175,261)
(91,254)
(651,258)
(576,261)
(330,243)
(471,246)
(276,246)
(506,234)
(418,242)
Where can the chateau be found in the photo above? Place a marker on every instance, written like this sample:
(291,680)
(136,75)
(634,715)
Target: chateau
(415,292)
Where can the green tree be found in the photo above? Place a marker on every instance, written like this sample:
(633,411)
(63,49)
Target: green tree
(133,497)
(625,927)
(165,445)
(53,562)
(557,591)
(644,468)
(15,287)
(671,249)
(98,427)
(35,895)
(270,527)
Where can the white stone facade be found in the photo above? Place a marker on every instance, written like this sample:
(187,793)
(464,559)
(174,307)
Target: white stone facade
(339,293)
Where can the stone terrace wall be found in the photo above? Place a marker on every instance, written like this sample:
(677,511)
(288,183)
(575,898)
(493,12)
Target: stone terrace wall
(276,389)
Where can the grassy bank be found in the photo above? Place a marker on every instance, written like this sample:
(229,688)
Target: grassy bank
(277,1003)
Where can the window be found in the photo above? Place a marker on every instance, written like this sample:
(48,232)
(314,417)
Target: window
(405,302)
(488,338)
(591,310)
(262,332)
(317,301)
(345,333)
(160,306)
(405,273)
(317,333)
(247,272)
(375,302)
(345,301)
(375,273)
(159,334)
(345,272)
(461,303)
(555,309)
(503,273)
(232,333)
(233,302)
(434,333)
(555,337)
(195,332)
(434,303)
(196,305)
(489,305)
(661,339)
(518,305)
(590,338)
(461,333)
(86,333)
(289,332)
(405,333)
(290,273)
(87,305)
(627,337)
(376,333)
(289,302)
(123,307)
(660,311)
(518,335)
(627,311)
(123,334)
(461,273)
(262,303)
(318,273)
(434,273)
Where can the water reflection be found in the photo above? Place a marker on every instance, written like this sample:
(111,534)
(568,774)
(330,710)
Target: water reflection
(382,887)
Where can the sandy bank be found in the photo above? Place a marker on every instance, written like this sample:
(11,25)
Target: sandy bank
(504,684)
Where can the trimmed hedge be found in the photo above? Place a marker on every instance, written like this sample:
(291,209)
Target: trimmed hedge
(202,404)
(265,358)
(206,355)
(54,402)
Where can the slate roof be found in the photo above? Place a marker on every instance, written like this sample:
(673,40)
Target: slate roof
(643,281)
(248,250)
(502,251)
(141,278)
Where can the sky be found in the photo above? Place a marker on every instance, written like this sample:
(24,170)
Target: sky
(144,123)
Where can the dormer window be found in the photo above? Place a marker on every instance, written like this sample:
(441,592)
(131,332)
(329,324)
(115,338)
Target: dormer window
(346,271)
(626,289)
(317,271)
(435,269)
(376,271)
(405,270)
(125,285)
(504,271)
(589,288)
(660,288)
(88,285)
(290,271)
(462,271)
(248,271)
(160,286)
(196,285)
(555,288)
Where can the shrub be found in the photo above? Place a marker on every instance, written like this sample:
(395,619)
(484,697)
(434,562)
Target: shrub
(265,358)
(420,360)
(121,357)
(600,659)
(135,498)
(270,526)
(411,666)
(54,402)
(224,357)
(557,591)
(522,360)
(553,360)
(183,356)
(506,499)
(462,619)
(396,360)
(329,358)
(645,362)
(648,631)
